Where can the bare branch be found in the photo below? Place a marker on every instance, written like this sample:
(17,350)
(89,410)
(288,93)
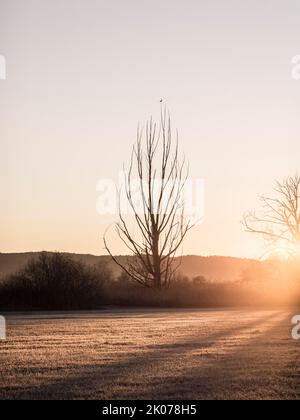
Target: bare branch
(279,221)
(163,226)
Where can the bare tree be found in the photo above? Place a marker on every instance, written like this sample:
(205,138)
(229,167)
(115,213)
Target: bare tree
(161,226)
(279,221)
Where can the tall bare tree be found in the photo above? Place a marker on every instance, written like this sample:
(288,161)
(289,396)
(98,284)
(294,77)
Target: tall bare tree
(161,227)
(279,221)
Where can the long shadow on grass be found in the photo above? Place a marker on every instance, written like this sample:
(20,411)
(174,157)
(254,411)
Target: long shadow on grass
(126,378)
(259,368)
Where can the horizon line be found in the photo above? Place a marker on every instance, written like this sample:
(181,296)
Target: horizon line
(124,255)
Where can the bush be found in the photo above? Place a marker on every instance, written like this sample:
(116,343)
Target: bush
(58,282)
(200,293)
(54,282)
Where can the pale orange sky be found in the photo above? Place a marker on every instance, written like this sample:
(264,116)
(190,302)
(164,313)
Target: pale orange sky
(81,74)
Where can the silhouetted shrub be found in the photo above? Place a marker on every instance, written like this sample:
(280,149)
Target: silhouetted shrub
(55,282)
(200,281)
(58,282)
(201,293)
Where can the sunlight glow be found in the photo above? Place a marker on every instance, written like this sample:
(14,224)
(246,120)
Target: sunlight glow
(286,252)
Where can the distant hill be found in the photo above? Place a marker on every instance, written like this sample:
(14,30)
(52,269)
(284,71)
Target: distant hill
(213,268)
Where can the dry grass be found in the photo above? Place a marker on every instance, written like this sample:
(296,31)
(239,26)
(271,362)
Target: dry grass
(150,354)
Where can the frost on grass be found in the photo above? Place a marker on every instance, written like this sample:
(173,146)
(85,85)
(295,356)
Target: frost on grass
(155,354)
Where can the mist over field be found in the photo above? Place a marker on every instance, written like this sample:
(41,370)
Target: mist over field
(58,281)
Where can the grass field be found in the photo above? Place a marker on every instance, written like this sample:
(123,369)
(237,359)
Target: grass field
(150,354)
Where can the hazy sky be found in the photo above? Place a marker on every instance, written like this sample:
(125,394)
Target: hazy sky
(82,73)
